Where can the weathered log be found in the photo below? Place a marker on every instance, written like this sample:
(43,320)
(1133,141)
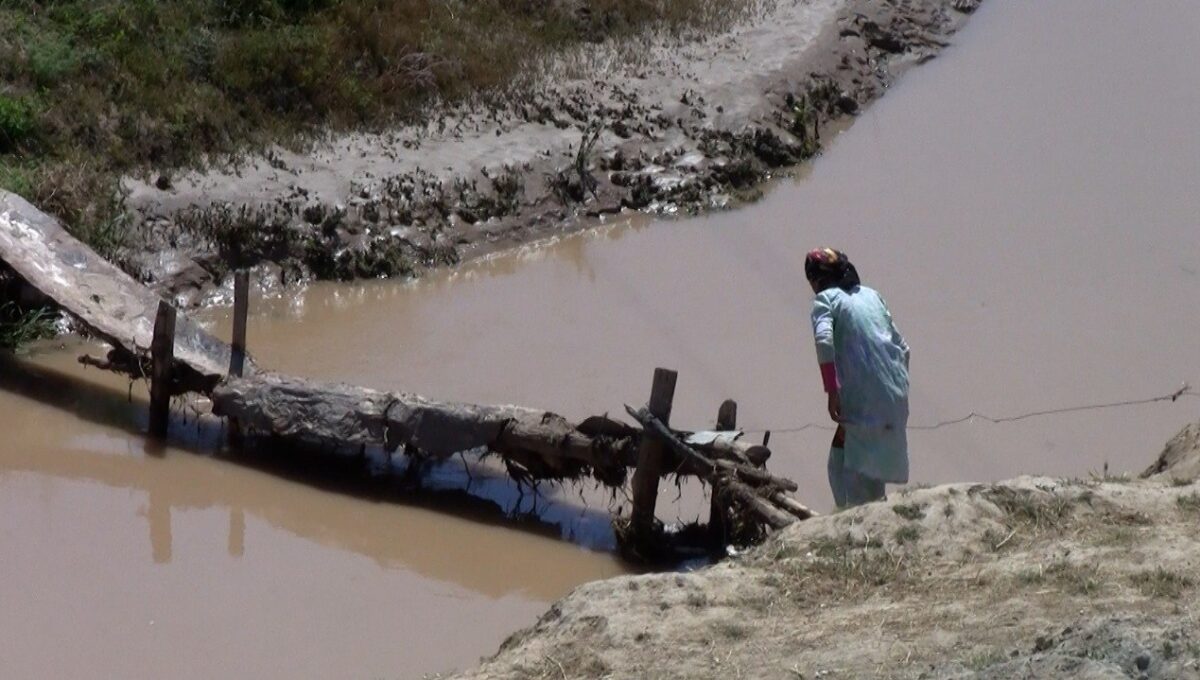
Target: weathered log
(723,475)
(338,414)
(776,518)
(792,505)
(105,299)
(650,455)
(162,359)
(703,466)
(349,416)
(718,508)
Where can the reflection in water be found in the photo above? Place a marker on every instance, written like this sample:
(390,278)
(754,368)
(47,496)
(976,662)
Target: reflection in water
(237,532)
(276,485)
(174,561)
(159,515)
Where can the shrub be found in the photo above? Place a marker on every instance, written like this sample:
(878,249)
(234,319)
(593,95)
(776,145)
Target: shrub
(17,124)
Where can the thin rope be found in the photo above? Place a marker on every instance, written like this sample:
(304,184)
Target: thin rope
(1184,391)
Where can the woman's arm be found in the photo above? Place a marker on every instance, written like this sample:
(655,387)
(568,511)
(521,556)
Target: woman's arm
(897,339)
(822,322)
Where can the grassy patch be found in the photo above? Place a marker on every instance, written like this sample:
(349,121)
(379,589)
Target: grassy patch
(1027,509)
(1118,537)
(985,658)
(1163,583)
(910,511)
(731,630)
(17,123)
(20,326)
(1189,503)
(1076,579)
(136,86)
(908,533)
(846,563)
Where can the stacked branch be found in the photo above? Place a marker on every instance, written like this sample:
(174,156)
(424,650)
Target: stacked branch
(755,491)
(541,444)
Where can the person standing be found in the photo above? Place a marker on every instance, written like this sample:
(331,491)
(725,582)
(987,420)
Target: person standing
(864,367)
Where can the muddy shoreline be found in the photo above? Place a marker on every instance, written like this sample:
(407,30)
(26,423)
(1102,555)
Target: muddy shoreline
(660,126)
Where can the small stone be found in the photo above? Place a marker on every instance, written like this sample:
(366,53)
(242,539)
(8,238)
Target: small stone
(163,182)
(1142,662)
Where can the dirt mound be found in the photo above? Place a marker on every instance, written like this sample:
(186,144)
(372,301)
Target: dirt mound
(1180,458)
(1112,648)
(1030,578)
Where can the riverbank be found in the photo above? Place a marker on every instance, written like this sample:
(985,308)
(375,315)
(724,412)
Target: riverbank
(664,124)
(1029,578)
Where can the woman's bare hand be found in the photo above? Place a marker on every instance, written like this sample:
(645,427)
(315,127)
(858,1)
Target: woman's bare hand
(835,407)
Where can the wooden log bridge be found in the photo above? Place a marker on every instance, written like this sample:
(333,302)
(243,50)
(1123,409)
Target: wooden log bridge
(179,357)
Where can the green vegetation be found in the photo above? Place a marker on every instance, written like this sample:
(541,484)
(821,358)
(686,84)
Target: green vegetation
(19,326)
(92,89)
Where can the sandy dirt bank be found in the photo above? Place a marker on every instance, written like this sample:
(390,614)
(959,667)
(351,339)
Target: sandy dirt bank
(1030,578)
(653,124)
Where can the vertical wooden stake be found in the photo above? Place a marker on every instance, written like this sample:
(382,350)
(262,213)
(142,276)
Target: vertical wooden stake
(162,357)
(241,307)
(650,454)
(718,530)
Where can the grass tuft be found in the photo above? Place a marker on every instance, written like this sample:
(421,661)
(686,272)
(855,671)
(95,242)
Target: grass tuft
(1162,583)
(909,533)
(1073,578)
(1189,503)
(910,511)
(20,326)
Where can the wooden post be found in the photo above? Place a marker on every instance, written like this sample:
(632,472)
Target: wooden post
(718,530)
(650,454)
(241,307)
(162,357)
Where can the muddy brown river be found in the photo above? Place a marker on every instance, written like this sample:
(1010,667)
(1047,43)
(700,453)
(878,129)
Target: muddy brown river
(1027,204)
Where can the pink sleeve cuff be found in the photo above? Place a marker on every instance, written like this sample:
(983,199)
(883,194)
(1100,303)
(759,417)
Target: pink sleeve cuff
(829,376)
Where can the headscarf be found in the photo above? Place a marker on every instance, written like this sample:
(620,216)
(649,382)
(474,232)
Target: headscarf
(828,268)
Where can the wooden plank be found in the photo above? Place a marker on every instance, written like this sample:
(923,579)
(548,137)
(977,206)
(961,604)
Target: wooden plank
(650,453)
(718,529)
(110,303)
(162,357)
(732,476)
(241,308)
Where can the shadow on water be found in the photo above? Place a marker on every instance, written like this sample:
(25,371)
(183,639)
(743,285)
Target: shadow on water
(215,476)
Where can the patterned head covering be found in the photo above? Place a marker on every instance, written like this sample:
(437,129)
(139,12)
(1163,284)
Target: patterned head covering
(827,268)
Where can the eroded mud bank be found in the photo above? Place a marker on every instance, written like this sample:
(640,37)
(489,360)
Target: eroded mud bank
(655,125)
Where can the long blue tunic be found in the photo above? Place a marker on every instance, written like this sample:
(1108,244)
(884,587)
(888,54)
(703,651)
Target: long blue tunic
(855,331)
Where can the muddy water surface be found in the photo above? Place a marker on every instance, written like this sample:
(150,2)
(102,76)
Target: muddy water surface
(1026,203)
(123,561)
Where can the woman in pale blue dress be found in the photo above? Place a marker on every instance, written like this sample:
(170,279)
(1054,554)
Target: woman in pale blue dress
(864,367)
